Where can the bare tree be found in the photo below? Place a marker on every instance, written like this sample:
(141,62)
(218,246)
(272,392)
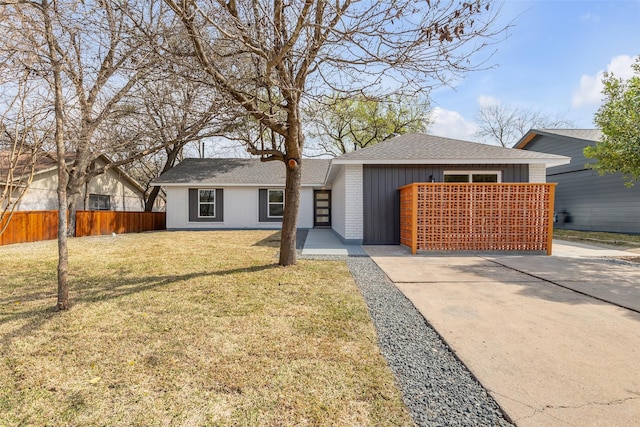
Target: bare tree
(505,124)
(170,108)
(25,127)
(89,55)
(270,57)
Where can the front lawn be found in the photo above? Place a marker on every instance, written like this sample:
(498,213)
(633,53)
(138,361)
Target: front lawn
(187,328)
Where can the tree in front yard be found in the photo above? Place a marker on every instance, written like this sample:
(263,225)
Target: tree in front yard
(272,58)
(619,120)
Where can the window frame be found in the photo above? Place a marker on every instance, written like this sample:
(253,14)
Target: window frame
(98,198)
(269,202)
(211,191)
(470,174)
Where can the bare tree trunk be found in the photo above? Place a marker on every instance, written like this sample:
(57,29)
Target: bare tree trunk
(72,207)
(172,156)
(151,200)
(63,251)
(290,216)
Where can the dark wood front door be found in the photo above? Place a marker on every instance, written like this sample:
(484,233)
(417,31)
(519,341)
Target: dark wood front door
(322,208)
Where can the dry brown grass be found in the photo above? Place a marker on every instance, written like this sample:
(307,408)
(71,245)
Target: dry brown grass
(187,328)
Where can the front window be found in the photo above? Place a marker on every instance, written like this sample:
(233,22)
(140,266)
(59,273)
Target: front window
(276,203)
(472,176)
(207,203)
(99,202)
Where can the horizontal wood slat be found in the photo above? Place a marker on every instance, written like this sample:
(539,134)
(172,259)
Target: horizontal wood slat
(33,226)
(477,217)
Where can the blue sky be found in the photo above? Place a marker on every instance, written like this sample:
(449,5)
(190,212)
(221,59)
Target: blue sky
(551,60)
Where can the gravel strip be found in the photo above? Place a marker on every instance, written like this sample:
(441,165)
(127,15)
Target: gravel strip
(437,388)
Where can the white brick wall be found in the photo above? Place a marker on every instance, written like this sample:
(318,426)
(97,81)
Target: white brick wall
(338,203)
(353,203)
(537,173)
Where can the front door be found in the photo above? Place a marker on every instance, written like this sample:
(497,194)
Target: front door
(322,208)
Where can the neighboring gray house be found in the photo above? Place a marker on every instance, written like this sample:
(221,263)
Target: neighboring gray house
(585,200)
(355,194)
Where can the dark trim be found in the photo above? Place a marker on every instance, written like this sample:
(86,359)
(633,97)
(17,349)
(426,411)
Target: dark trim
(193,206)
(263,205)
(315,209)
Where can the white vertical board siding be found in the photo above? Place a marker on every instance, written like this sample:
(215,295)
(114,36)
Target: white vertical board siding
(537,173)
(240,209)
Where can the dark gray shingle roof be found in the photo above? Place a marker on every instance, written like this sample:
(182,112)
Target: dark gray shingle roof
(240,171)
(429,149)
(586,134)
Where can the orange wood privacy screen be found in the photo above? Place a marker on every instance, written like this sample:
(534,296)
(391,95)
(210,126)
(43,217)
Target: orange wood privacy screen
(477,217)
(33,226)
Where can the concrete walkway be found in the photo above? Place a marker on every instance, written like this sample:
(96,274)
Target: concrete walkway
(548,355)
(321,241)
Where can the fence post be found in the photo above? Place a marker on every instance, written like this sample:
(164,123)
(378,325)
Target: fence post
(414,219)
(552,197)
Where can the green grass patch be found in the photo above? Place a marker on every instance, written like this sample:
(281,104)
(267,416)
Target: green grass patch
(610,239)
(187,328)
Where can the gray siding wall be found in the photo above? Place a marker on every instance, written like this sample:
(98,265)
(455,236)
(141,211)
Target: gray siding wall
(563,146)
(593,202)
(382,199)
(597,203)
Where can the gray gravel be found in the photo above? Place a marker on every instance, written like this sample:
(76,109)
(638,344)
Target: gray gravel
(437,388)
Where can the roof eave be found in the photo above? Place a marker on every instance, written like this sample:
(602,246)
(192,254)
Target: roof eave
(223,184)
(522,161)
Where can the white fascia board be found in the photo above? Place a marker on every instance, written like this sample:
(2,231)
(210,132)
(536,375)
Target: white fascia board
(220,185)
(561,160)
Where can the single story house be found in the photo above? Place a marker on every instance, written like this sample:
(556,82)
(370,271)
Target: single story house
(114,190)
(585,200)
(355,194)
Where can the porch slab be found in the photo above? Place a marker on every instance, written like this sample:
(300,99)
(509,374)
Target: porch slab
(325,242)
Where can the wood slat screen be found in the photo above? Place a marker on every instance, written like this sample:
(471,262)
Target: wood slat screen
(477,217)
(33,226)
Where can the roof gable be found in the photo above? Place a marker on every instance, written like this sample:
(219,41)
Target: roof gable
(588,135)
(47,162)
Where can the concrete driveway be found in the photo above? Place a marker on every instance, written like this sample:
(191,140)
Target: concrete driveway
(543,334)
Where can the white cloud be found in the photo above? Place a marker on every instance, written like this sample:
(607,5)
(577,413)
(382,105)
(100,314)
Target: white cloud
(488,101)
(590,17)
(590,90)
(451,124)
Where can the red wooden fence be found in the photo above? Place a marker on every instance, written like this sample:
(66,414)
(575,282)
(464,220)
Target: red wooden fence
(477,217)
(33,226)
